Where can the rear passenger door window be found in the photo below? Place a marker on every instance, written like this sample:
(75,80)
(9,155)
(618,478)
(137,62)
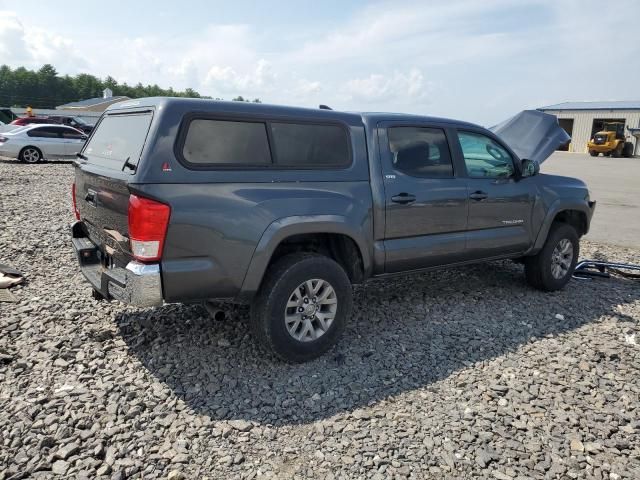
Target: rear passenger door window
(223,142)
(420,152)
(310,145)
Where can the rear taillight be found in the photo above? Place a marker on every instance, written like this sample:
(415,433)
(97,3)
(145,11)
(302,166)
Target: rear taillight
(75,203)
(148,221)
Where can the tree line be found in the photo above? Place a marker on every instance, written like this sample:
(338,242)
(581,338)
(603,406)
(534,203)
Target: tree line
(45,88)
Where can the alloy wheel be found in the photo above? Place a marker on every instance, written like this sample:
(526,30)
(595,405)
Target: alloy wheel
(561,259)
(310,310)
(31,155)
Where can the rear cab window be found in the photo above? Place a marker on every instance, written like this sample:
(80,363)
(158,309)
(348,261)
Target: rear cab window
(118,138)
(308,145)
(226,143)
(214,143)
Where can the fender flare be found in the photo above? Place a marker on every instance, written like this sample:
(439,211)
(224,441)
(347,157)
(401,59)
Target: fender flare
(285,227)
(560,205)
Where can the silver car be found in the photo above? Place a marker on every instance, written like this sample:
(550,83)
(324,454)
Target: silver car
(33,143)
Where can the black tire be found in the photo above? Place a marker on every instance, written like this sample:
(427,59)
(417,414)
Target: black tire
(627,151)
(617,152)
(268,307)
(593,153)
(538,268)
(30,155)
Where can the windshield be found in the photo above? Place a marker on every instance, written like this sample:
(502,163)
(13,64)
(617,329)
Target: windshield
(119,138)
(610,127)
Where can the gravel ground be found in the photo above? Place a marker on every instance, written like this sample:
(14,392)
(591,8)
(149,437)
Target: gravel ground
(455,374)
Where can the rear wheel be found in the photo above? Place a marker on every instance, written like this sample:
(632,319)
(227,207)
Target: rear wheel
(593,153)
(302,306)
(30,155)
(553,266)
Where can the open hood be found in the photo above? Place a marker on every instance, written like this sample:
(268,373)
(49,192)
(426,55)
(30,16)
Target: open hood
(532,134)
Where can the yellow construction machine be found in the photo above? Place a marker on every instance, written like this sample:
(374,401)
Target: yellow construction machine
(610,141)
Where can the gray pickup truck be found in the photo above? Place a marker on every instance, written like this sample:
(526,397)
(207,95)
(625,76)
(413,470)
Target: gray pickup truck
(181,200)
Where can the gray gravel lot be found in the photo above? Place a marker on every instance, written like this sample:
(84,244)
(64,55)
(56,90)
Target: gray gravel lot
(455,374)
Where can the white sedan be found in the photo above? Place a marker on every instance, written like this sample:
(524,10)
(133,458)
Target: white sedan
(33,143)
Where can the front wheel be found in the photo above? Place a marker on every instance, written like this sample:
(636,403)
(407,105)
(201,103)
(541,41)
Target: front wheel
(30,155)
(593,153)
(302,306)
(617,152)
(553,266)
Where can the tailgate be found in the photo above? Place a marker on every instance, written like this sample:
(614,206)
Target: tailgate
(106,166)
(103,203)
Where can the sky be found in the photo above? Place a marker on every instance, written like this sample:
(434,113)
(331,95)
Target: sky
(480,61)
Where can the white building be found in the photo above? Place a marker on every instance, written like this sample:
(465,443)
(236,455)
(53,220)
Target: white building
(98,104)
(582,119)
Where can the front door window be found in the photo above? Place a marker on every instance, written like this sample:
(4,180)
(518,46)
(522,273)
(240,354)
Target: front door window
(484,157)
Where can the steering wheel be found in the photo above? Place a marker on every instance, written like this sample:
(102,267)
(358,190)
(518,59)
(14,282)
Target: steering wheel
(494,152)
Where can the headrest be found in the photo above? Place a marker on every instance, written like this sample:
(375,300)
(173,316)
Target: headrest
(412,157)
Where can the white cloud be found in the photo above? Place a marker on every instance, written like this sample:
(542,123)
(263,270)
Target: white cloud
(35,46)
(13,47)
(227,80)
(306,87)
(392,32)
(383,88)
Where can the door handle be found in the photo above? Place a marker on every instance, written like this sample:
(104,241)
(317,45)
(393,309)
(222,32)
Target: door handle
(403,198)
(478,195)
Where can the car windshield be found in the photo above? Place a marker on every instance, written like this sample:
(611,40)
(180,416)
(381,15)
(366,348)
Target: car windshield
(119,138)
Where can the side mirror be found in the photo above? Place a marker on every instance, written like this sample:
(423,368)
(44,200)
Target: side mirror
(530,168)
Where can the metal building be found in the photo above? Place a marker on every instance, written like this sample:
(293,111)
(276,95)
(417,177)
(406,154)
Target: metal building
(582,119)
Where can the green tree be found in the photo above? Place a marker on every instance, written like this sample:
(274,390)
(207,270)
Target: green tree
(45,88)
(191,93)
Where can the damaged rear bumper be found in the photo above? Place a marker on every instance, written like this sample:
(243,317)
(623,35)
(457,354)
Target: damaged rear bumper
(137,284)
